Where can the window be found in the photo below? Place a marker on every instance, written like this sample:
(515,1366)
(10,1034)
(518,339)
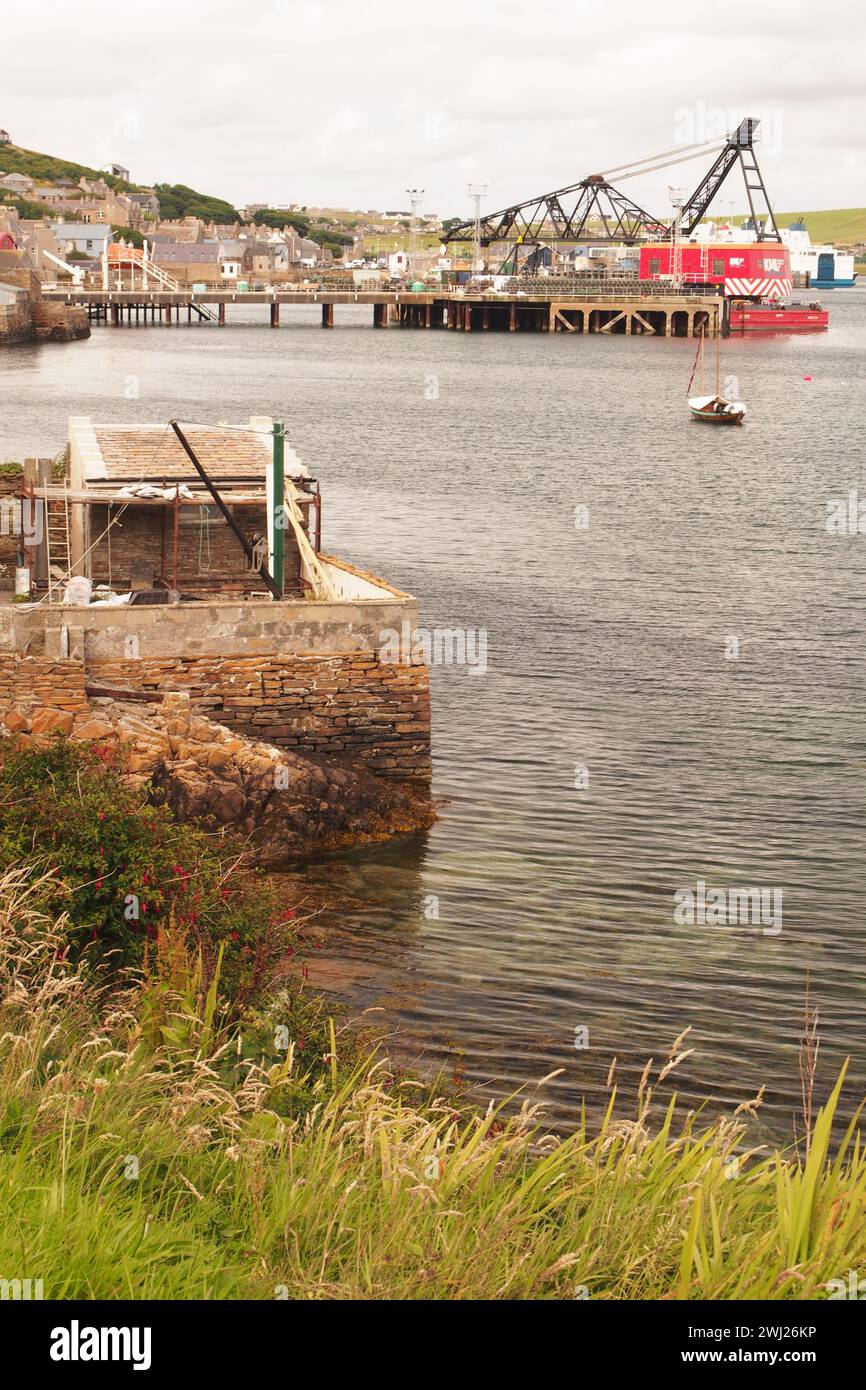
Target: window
(718,265)
(655,265)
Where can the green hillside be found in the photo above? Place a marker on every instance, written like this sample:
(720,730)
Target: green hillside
(178,201)
(46,167)
(842,226)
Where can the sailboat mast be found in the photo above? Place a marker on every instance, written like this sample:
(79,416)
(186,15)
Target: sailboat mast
(703,337)
(718,356)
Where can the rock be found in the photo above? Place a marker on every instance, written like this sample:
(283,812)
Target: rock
(285,804)
(92,729)
(16,721)
(176,702)
(46,721)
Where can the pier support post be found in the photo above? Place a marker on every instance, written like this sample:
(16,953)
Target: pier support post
(428,315)
(327,316)
(512,317)
(221,315)
(485,317)
(275,315)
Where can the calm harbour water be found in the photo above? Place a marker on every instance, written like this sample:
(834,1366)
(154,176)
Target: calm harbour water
(452,465)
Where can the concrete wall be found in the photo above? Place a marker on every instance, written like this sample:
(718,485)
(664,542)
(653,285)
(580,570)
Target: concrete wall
(215,628)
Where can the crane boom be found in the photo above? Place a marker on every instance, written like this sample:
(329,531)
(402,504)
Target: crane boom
(739,149)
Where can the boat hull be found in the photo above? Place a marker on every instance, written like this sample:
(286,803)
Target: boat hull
(766,319)
(734,417)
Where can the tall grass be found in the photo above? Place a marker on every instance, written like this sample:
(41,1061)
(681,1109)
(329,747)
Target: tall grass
(145,1153)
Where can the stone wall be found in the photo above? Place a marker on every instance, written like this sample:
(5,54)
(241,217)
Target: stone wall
(38,695)
(39,318)
(284,804)
(349,707)
(16,323)
(306,676)
(61,323)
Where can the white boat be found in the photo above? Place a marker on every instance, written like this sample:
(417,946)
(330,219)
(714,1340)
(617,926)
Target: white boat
(715,409)
(821,267)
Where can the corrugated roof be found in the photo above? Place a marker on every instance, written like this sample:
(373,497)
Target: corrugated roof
(149,452)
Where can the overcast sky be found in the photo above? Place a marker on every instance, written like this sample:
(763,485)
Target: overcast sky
(275,101)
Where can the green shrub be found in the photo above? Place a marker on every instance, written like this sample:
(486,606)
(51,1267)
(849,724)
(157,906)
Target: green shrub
(119,868)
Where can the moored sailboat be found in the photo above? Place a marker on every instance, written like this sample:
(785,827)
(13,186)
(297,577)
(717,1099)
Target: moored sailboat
(716,409)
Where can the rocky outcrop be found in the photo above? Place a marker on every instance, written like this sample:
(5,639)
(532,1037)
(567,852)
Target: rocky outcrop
(284,804)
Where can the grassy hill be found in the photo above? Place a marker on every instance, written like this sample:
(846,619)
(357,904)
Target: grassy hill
(178,201)
(46,167)
(842,226)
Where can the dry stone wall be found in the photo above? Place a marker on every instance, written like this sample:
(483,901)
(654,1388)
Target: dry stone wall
(286,804)
(348,706)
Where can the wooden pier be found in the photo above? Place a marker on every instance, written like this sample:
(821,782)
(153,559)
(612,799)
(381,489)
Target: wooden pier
(634,310)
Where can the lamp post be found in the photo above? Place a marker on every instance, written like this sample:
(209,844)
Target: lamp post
(476,192)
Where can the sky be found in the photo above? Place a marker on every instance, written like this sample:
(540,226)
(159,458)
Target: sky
(341,104)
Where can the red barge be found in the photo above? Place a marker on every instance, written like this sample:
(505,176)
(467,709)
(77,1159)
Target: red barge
(754,276)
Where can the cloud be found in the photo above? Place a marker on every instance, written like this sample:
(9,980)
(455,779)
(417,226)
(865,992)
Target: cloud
(295,102)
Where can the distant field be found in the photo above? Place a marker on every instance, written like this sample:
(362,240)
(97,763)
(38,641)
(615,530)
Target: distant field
(844,226)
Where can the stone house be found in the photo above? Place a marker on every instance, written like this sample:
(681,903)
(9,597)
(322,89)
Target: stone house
(143,208)
(86,238)
(187,230)
(314,671)
(18,184)
(208,262)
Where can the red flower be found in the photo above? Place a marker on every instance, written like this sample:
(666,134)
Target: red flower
(235,936)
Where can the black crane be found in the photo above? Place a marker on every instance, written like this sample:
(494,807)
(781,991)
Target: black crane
(739,149)
(564,214)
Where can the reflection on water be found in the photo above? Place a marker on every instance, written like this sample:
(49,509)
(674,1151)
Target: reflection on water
(535,907)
